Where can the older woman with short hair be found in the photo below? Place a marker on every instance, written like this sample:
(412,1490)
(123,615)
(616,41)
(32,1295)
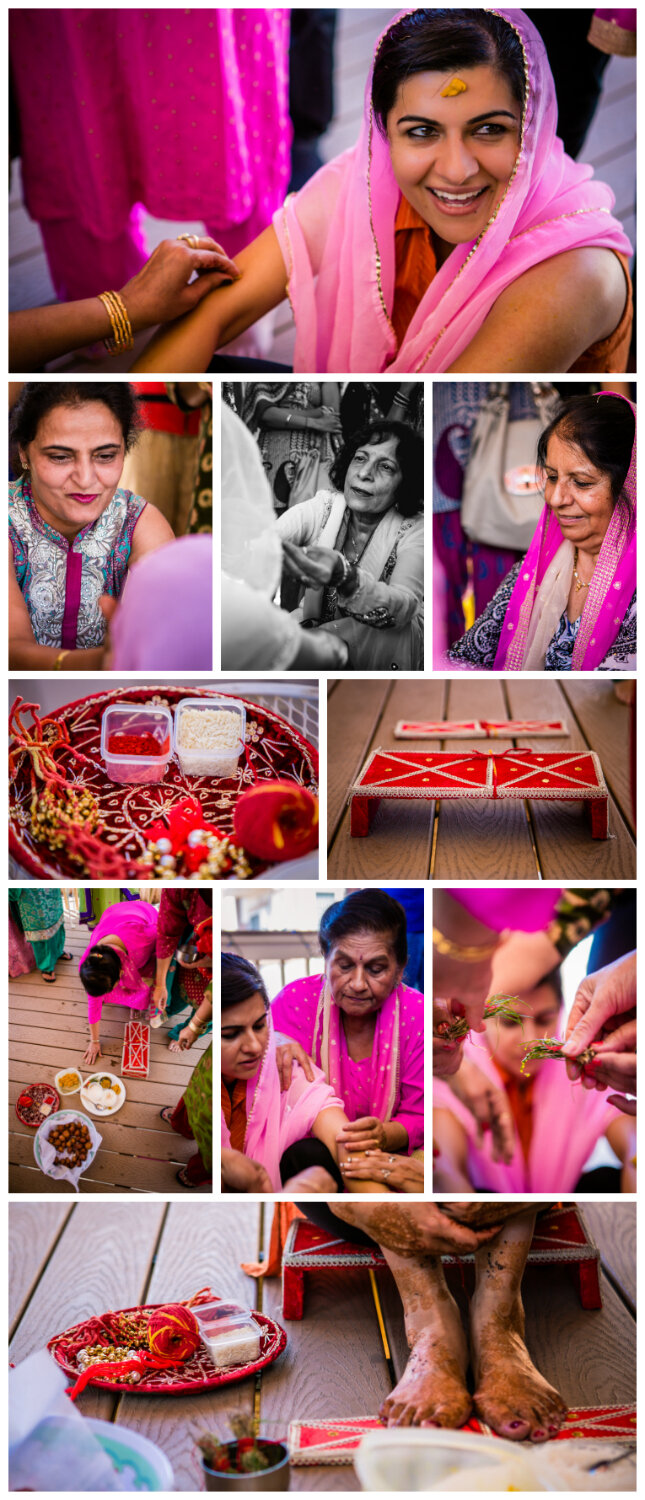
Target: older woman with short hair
(358,549)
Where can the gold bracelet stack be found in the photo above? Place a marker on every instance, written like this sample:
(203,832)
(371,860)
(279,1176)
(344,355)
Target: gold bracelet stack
(467,954)
(122,336)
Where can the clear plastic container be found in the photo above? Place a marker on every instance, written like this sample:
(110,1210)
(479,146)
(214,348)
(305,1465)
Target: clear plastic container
(220,761)
(136,720)
(229,1332)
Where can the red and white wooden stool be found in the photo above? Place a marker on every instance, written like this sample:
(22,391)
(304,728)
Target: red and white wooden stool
(561,1238)
(414,775)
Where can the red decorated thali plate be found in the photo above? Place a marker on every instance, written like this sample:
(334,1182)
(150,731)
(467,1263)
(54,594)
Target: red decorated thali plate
(36,1103)
(197,1374)
(274,750)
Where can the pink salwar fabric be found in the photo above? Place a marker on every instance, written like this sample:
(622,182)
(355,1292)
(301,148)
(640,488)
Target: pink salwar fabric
(337,239)
(135,924)
(516,910)
(389,1084)
(21,953)
(184,112)
(607,598)
(276,1119)
(567,1122)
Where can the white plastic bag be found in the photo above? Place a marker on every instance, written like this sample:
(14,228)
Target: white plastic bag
(49,1153)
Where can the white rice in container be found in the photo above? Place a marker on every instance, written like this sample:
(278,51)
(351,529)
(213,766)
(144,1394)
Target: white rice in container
(209,741)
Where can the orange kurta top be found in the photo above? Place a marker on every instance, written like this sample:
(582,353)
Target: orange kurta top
(416,267)
(234,1112)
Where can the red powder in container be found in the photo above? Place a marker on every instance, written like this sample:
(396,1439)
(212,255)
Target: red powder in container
(137,744)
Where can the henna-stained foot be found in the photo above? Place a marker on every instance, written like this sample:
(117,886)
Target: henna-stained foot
(511,1396)
(432,1390)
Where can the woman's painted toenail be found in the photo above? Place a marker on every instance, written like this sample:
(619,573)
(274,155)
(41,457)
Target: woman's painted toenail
(539,1433)
(515,1425)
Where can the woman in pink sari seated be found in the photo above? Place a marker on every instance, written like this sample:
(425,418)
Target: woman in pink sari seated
(570,604)
(557,1125)
(362,1026)
(272,1137)
(455,236)
(119,964)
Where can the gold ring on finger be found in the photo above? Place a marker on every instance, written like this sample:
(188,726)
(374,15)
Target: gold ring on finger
(191,239)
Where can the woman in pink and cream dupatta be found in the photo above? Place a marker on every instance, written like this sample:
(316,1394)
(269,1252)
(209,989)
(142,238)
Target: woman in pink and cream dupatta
(570,604)
(363,1027)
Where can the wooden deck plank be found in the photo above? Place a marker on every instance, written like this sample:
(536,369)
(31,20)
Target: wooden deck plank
(606,725)
(481,840)
(102,1260)
(112,1169)
(202,1245)
(37,1227)
(333,1365)
(399,842)
(618,1250)
(562,833)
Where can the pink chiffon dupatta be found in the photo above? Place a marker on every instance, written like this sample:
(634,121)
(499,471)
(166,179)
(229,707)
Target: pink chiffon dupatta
(608,596)
(276,1119)
(337,239)
(330,1049)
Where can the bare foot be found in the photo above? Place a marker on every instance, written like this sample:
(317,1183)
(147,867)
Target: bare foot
(432,1391)
(511,1396)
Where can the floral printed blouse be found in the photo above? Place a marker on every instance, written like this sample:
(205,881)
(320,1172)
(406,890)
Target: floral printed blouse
(62,581)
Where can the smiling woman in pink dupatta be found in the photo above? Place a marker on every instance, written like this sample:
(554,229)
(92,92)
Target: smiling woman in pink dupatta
(570,604)
(360,1024)
(433,244)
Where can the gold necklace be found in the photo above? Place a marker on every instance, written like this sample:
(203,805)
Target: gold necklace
(580,584)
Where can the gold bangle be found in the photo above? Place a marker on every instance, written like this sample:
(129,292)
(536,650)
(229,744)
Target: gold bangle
(122,337)
(468,954)
(193,1027)
(58,661)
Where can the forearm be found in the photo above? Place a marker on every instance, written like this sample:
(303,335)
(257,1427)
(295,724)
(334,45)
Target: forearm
(203,1014)
(95,1032)
(40,334)
(400,602)
(27,655)
(396,1136)
(277,419)
(188,343)
(161,971)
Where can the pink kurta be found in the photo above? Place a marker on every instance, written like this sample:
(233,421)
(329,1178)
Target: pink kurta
(294,1012)
(182,111)
(567,1122)
(135,924)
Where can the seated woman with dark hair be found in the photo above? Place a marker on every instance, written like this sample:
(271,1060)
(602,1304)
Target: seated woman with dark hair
(272,1137)
(118,964)
(570,604)
(364,1028)
(73,531)
(358,549)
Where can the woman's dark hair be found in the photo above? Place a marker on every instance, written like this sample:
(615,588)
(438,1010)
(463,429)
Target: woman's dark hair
(240,981)
(443,41)
(409,453)
(38,397)
(100,970)
(365,911)
(603,427)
